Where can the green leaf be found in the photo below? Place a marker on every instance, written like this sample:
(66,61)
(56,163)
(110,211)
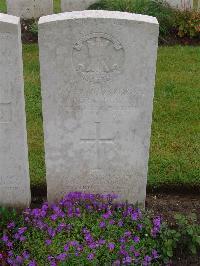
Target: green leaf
(170,253)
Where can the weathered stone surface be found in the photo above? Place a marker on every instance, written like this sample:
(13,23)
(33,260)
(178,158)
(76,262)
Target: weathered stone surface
(28,9)
(76,5)
(181,4)
(97,73)
(14,176)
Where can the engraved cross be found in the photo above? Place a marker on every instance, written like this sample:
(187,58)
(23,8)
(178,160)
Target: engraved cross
(97,55)
(98,141)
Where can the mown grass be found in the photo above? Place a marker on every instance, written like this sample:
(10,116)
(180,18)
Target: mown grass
(3,6)
(175,142)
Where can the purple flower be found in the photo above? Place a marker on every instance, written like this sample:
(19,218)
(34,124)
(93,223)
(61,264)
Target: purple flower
(54,217)
(10,261)
(73,243)
(120,223)
(136,254)
(147,260)
(32,263)
(55,208)
(66,247)
(132,248)
(11,225)
(122,240)
(127,260)
(17,236)
(134,216)
(10,253)
(61,257)
(112,222)
(93,245)
(35,213)
(155,254)
(155,231)
(1,256)
(101,241)
(157,221)
(25,255)
(22,230)
(27,219)
(136,239)
(139,226)
(107,215)
(91,256)
(116,263)
(88,238)
(48,242)
(51,232)
(9,244)
(61,226)
(127,234)
(19,259)
(5,238)
(50,258)
(111,246)
(22,238)
(43,214)
(123,250)
(78,212)
(102,224)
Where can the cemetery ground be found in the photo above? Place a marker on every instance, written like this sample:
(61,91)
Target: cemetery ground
(173,181)
(174,155)
(173,184)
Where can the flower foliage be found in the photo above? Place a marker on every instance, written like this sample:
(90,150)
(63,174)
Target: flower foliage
(84,229)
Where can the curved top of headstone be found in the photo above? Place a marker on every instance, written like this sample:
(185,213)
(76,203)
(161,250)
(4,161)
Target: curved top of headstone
(9,19)
(98,14)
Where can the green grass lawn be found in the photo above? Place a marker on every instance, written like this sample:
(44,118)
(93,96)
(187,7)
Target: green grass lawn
(175,143)
(3,6)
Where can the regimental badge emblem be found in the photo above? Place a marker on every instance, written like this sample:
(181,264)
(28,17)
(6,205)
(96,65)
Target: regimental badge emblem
(98,57)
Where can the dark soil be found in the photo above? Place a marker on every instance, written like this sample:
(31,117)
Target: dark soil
(29,31)
(168,205)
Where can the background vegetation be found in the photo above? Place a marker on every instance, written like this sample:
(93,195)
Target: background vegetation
(175,142)
(173,23)
(175,145)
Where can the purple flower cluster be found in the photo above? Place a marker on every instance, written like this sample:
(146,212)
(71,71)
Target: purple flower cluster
(156,226)
(83,227)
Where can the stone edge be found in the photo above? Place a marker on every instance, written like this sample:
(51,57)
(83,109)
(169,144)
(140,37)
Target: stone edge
(101,14)
(9,19)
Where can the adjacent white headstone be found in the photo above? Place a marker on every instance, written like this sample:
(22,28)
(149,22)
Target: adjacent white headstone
(14,176)
(98,74)
(76,5)
(181,4)
(28,9)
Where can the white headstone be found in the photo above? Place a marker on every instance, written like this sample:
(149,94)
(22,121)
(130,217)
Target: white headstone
(181,4)
(28,9)
(14,172)
(97,73)
(76,5)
